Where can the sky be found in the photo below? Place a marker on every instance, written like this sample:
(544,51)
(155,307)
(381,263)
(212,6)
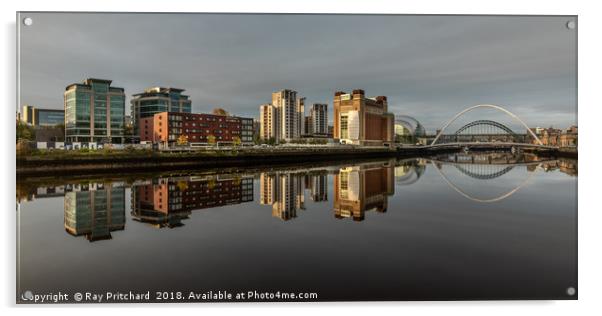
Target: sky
(429,67)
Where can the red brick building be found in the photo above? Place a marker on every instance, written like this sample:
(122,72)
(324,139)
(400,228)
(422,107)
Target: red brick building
(168,127)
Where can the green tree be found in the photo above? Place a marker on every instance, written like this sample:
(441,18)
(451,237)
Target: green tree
(25,132)
(211,140)
(182,140)
(236,141)
(220,111)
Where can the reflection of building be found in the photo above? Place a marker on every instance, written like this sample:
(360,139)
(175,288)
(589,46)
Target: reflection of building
(95,211)
(42,117)
(167,201)
(564,165)
(409,171)
(158,99)
(318,187)
(361,188)
(362,121)
(171,127)
(94,112)
(285,192)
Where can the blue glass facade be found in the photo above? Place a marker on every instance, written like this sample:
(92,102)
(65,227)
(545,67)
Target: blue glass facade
(156,100)
(42,117)
(94,112)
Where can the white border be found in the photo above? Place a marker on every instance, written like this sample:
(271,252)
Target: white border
(590,213)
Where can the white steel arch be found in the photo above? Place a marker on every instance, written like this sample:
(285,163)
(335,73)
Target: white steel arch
(496,199)
(499,108)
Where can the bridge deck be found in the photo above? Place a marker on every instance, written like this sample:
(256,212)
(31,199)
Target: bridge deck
(490,145)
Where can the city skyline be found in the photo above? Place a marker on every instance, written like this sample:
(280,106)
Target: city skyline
(430,67)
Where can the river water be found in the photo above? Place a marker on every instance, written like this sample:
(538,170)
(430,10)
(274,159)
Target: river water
(457,226)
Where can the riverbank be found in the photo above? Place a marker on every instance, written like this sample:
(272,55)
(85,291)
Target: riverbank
(47,163)
(105,161)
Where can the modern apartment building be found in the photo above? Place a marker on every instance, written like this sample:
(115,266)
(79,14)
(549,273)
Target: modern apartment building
(268,122)
(300,119)
(156,100)
(362,121)
(94,112)
(42,117)
(167,128)
(318,119)
(283,118)
(247,131)
(285,102)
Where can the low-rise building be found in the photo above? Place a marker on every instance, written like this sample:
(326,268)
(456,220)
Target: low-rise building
(156,100)
(169,128)
(42,117)
(555,137)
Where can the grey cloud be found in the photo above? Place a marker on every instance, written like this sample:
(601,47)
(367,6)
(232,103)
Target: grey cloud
(430,67)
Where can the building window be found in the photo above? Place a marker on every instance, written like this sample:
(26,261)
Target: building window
(344,127)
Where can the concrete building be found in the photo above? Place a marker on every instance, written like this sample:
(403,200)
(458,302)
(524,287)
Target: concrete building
(42,117)
(94,112)
(268,122)
(319,119)
(307,126)
(362,121)
(247,130)
(283,118)
(167,128)
(158,99)
(300,118)
(285,103)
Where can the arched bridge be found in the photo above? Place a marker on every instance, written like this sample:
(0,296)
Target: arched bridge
(484,127)
(486,133)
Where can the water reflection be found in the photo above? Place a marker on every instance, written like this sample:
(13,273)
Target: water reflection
(363,187)
(422,221)
(95,209)
(487,167)
(166,201)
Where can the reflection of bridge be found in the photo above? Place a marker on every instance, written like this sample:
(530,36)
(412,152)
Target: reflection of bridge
(488,145)
(485,133)
(484,171)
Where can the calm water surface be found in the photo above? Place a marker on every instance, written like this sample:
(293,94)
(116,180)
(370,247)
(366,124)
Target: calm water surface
(470,226)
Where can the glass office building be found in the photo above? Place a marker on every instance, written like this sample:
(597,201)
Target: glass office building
(94,112)
(42,117)
(156,100)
